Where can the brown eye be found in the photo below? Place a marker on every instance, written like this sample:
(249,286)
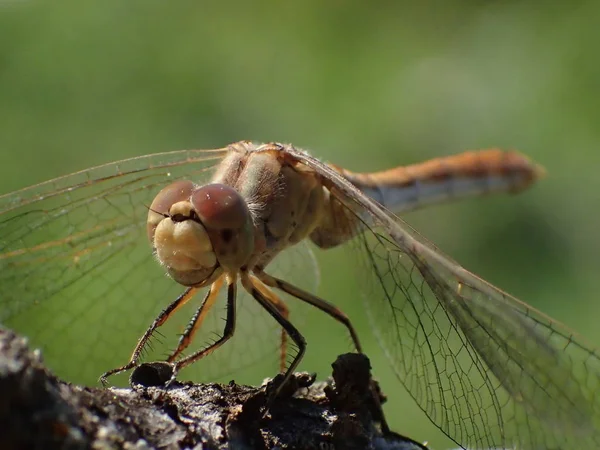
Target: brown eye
(173,193)
(220,207)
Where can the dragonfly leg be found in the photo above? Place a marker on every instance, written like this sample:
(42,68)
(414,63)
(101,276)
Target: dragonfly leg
(285,312)
(255,289)
(161,319)
(334,312)
(227,331)
(313,300)
(196,322)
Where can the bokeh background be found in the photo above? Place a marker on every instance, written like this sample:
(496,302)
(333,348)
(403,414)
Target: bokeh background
(366,86)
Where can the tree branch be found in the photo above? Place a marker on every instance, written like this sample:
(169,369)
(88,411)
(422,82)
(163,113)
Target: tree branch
(37,410)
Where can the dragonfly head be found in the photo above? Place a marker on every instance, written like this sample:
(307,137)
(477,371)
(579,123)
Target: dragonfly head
(195,231)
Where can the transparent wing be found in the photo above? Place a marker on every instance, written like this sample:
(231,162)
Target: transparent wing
(488,370)
(77,274)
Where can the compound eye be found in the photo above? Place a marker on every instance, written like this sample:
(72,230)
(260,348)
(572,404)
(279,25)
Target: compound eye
(168,196)
(228,222)
(220,207)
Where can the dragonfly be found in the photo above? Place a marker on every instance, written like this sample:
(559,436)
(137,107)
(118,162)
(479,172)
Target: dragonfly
(489,370)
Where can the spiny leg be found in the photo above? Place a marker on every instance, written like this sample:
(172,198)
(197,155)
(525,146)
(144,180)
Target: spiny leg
(160,320)
(285,312)
(250,286)
(313,300)
(334,312)
(227,331)
(199,316)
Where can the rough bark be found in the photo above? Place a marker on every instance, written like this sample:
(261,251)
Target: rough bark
(40,411)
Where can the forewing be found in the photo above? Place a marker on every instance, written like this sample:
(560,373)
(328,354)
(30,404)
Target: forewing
(77,274)
(487,369)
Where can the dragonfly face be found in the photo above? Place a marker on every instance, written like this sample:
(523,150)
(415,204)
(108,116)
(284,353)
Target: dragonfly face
(489,370)
(197,232)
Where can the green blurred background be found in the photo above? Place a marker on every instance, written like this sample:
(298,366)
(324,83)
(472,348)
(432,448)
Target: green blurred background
(366,86)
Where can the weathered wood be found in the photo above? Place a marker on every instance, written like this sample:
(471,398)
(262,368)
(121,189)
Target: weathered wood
(39,411)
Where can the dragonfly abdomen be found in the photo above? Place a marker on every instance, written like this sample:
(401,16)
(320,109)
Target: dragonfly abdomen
(454,177)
